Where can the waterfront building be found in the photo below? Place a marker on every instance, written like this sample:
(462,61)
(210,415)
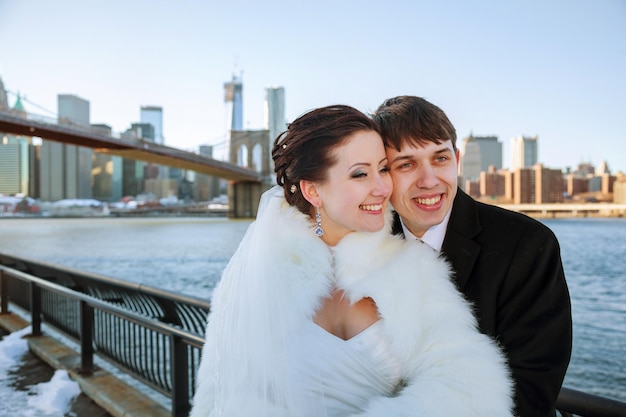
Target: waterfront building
(538,185)
(490,152)
(106,173)
(153,115)
(181,177)
(605,183)
(51,171)
(206,187)
(550,185)
(274,112)
(478,153)
(595,184)
(524,152)
(34,159)
(523,186)
(65,170)
(619,190)
(161,188)
(146,177)
(471,187)
(15,153)
(492,183)
(509,186)
(576,185)
(600,183)
(608,181)
(133,169)
(469,168)
(14,165)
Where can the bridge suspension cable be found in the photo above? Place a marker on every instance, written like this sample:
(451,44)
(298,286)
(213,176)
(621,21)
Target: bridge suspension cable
(23,98)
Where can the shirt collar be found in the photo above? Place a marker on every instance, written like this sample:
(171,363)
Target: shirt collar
(434,236)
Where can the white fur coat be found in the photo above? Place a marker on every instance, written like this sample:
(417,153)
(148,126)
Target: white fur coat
(275,282)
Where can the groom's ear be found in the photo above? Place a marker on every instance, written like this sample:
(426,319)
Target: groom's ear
(309,192)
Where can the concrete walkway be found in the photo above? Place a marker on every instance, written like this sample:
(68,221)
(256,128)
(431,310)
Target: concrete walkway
(103,395)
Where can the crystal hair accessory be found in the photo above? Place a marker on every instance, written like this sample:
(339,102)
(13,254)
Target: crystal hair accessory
(318,219)
(293,188)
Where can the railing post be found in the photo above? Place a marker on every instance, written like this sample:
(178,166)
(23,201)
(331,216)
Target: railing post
(86,338)
(180,377)
(4,291)
(35,308)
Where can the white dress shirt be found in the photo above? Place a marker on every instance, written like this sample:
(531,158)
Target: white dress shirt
(433,237)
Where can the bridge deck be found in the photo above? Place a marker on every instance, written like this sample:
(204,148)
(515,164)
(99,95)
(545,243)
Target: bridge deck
(139,149)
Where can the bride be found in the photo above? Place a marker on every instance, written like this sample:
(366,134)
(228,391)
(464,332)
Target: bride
(319,313)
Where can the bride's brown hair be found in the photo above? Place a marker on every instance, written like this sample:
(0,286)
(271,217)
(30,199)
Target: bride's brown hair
(303,151)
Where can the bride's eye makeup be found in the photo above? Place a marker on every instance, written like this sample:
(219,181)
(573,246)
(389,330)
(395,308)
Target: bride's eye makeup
(359,174)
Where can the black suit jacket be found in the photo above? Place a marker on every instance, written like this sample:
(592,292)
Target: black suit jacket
(509,266)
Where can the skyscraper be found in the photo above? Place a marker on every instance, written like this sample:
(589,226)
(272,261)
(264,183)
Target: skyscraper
(205,186)
(490,152)
(233,98)
(470,159)
(154,115)
(478,153)
(274,112)
(133,170)
(65,170)
(14,152)
(14,164)
(106,173)
(78,159)
(524,152)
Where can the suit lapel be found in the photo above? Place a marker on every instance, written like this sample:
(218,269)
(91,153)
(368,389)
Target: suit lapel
(459,247)
(396,227)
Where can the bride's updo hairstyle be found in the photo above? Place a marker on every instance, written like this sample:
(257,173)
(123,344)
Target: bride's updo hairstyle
(304,150)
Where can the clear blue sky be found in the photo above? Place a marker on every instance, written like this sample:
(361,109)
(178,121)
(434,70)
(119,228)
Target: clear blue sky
(554,68)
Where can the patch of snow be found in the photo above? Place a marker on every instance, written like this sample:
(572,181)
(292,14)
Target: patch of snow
(49,399)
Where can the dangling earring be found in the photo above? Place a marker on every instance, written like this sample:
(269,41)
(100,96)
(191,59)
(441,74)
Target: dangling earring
(318,219)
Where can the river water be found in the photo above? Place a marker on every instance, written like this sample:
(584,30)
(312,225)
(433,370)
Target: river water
(187,255)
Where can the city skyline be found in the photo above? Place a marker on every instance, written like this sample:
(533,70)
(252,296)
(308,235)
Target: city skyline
(68,171)
(461,142)
(521,69)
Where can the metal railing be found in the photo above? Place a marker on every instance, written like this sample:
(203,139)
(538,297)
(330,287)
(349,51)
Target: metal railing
(153,335)
(576,403)
(150,334)
(189,313)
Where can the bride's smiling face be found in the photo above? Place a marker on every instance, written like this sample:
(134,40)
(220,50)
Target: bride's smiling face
(356,191)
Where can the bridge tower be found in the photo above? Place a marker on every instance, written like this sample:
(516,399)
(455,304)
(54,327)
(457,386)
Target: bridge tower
(249,149)
(252,149)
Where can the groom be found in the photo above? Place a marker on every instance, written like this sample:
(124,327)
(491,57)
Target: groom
(507,264)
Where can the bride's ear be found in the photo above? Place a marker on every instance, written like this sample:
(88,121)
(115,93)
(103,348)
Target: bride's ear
(309,192)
